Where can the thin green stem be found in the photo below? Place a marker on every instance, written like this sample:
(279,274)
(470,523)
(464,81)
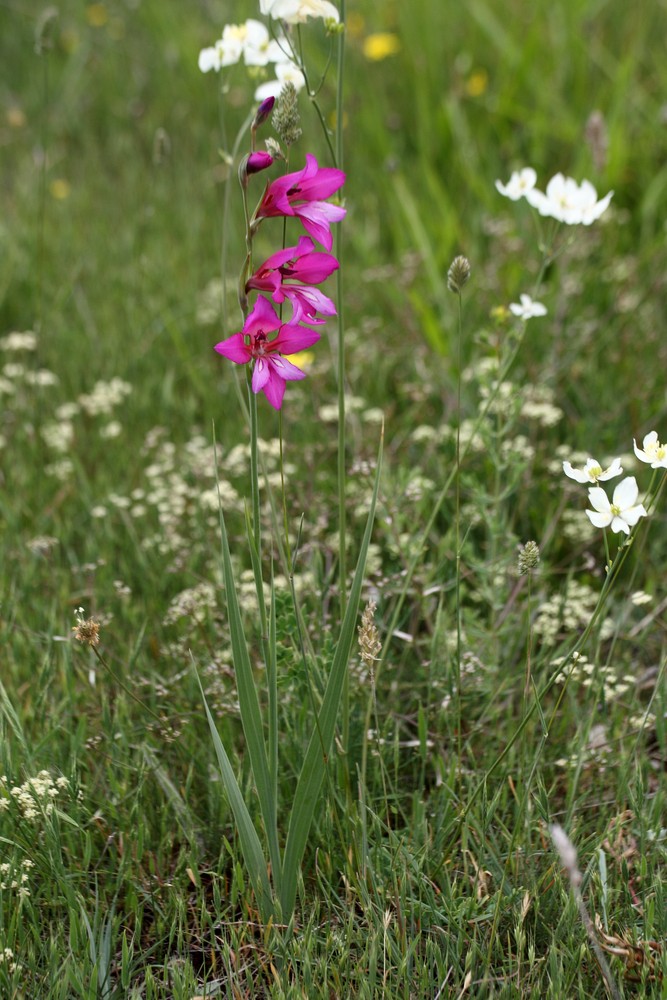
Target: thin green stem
(457,531)
(340,368)
(254,471)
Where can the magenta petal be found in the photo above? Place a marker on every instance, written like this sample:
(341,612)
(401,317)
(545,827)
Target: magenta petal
(316,218)
(265,281)
(320,184)
(235,349)
(262,319)
(293,339)
(261,374)
(313,267)
(274,390)
(276,260)
(308,301)
(282,368)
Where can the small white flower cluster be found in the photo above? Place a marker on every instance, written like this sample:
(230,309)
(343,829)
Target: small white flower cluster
(569,612)
(59,434)
(597,754)
(15,341)
(15,374)
(538,404)
(623,512)
(586,674)
(104,397)
(193,603)
(11,878)
(565,200)
(35,797)
(7,959)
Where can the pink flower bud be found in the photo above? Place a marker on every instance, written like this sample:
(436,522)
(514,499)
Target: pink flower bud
(263,112)
(258,161)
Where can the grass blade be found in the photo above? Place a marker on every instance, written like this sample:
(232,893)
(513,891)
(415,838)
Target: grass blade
(315,762)
(251,716)
(250,844)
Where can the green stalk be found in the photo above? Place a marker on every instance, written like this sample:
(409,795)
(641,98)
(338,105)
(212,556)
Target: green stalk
(342,516)
(457,529)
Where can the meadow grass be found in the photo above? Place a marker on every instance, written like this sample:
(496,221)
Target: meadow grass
(429,870)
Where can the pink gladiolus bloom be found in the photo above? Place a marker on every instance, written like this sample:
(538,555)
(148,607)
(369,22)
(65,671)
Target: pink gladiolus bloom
(271,370)
(301,194)
(302,264)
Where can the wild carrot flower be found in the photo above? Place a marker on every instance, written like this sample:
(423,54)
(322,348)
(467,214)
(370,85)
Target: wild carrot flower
(271,370)
(652,452)
(298,263)
(301,194)
(592,472)
(527,308)
(622,513)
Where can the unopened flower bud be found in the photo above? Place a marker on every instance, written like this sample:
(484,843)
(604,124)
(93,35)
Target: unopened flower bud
(263,112)
(458,274)
(529,557)
(252,164)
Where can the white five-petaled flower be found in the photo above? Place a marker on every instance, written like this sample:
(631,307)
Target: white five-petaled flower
(592,471)
(527,308)
(652,451)
(569,202)
(622,513)
(298,11)
(250,40)
(286,72)
(519,184)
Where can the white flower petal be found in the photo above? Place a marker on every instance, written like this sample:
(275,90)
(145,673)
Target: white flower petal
(626,493)
(599,500)
(599,520)
(615,469)
(632,514)
(577,474)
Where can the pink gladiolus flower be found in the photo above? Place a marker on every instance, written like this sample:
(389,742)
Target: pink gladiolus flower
(301,194)
(302,264)
(271,370)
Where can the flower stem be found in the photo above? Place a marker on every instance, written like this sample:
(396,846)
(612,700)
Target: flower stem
(342,519)
(457,530)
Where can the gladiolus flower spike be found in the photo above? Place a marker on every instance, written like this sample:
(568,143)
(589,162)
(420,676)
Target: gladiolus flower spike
(271,370)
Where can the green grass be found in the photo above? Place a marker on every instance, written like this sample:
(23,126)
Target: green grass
(428,870)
